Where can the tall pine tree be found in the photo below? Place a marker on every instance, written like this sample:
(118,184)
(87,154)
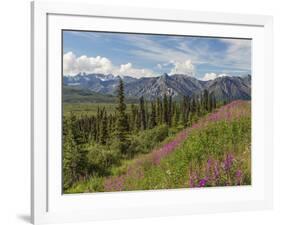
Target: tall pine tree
(121,123)
(152,122)
(104,129)
(143,113)
(165,109)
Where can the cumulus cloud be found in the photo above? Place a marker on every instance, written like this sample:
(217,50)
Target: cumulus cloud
(185,67)
(159,66)
(73,65)
(212,76)
(128,69)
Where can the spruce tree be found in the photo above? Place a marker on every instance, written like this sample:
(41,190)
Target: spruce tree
(215,102)
(159,112)
(176,115)
(165,109)
(143,113)
(69,155)
(152,116)
(206,101)
(170,110)
(121,123)
(133,117)
(104,129)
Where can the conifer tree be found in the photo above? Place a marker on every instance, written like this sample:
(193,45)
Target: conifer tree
(176,115)
(153,116)
(193,106)
(104,129)
(170,110)
(69,155)
(206,101)
(159,112)
(97,136)
(121,123)
(215,102)
(165,109)
(143,114)
(138,120)
(133,116)
(75,163)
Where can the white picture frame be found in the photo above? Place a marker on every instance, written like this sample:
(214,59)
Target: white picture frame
(48,205)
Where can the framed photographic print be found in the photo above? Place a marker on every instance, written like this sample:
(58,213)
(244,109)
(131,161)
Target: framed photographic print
(145,112)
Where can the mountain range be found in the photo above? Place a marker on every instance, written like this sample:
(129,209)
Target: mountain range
(223,88)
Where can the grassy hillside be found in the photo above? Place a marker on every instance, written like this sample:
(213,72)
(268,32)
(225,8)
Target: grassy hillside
(215,151)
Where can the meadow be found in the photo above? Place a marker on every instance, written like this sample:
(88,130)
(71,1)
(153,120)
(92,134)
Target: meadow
(212,147)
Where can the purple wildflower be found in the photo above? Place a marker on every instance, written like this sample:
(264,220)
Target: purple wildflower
(216,170)
(158,154)
(203,182)
(191,182)
(228,161)
(238,175)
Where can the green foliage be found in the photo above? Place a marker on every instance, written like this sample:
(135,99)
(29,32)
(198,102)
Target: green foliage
(101,158)
(152,122)
(212,142)
(104,129)
(75,95)
(165,110)
(144,142)
(74,153)
(69,155)
(98,137)
(122,123)
(142,114)
(92,184)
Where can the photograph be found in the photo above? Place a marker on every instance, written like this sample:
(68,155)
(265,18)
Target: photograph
(145,111)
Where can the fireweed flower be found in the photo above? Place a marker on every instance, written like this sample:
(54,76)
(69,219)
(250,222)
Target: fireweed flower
(216,170)
(228,162)
(158,154)
(136,171)
(191,182)
(209,164)
(203,182)
(238,175)
(192,179)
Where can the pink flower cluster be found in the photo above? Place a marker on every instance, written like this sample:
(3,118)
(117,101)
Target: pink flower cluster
(166,149)
(214,169)
(216,173)
(117,183)
(229,112)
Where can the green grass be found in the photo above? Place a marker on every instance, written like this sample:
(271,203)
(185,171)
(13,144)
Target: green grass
(210,144)
(87,108)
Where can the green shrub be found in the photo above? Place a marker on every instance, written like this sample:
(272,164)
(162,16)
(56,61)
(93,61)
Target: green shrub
(145,141)
(101,158)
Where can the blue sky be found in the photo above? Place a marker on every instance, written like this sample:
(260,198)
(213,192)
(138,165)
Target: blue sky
(142,55)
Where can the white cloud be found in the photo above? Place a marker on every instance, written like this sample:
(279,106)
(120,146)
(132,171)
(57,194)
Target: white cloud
(128,69)
(185,67)
(159,66)
(212,76)
(69,63)
(73,65)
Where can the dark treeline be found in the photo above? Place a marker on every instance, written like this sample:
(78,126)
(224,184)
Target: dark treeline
(92,144)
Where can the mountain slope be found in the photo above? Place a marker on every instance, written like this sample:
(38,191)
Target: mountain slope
(230,88)
(223,88)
